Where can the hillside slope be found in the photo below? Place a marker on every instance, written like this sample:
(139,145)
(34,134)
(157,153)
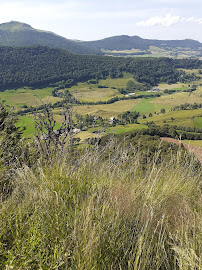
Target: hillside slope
(125,42)
(20,34)
(136,46)
(39,66)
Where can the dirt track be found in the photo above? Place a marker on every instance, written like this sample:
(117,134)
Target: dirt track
(191,148)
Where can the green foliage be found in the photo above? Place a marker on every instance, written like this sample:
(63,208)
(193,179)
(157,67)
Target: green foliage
(88,212)
(41,66)
(10,136)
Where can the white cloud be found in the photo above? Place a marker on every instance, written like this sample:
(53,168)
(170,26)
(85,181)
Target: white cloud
(167,20)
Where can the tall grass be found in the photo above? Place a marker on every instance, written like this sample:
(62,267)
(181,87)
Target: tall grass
(93,212)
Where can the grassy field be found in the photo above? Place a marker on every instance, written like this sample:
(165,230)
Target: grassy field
(180,98)
(107,110)
(27,121)
(26,96)
(188,118)
(163,86)
(91,93)
(148,105)
(126,128)
(196,142)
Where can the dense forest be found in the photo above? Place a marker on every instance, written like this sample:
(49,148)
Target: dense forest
(40,66)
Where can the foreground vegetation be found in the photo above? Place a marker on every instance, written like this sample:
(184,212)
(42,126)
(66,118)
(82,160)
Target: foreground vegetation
(95,214)
(126,202)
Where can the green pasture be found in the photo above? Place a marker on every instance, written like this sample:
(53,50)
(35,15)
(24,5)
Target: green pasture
(27,121)
(148,106)
(179,98)
(27,96)
(195,142)
(186,118)
(107,110)
(117,83)
(125,128)
(91,93)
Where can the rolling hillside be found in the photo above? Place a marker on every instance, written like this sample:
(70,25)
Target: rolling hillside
(18,34)
(122,45)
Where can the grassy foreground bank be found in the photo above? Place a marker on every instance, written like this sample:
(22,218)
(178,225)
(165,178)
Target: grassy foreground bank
(93,212)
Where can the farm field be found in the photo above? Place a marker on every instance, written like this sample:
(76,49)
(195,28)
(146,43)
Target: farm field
(27,96)
(179,98)
(149,106)
(196,142)
(94,92)
(27,121)
(186,118)
(178,86)
(107,110)
(90,92)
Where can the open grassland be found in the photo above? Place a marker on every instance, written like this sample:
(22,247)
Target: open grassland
(83,135)
(179,98)
(107,110)
(117,83)
(187,118)
(149,106)
(196,142)
(28,122)
(174,86)
(26,96)
(91,93)
(126,128)
(131,51)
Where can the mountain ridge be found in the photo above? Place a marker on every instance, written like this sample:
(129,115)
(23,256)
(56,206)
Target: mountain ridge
(19,34)
(125,42)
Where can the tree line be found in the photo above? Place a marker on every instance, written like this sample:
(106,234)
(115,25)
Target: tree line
(40,66)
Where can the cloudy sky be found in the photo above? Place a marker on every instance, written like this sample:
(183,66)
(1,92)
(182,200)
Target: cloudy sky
(96,19)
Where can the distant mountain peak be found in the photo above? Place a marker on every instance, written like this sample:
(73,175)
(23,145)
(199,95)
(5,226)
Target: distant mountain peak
(13,26)
(18,34)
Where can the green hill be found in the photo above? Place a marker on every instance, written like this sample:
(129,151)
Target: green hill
(125,42)
(20,34)
(41,66)
(146,46)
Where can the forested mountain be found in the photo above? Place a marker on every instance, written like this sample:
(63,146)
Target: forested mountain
(42,66)
(125,42)
(21,34)
(18,34)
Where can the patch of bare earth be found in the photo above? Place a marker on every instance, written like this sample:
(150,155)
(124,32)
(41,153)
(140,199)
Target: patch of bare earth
(197,151)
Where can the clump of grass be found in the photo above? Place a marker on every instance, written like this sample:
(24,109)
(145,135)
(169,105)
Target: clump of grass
(88,212)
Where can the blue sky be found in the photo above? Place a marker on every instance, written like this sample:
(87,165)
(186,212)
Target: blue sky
(95,19)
